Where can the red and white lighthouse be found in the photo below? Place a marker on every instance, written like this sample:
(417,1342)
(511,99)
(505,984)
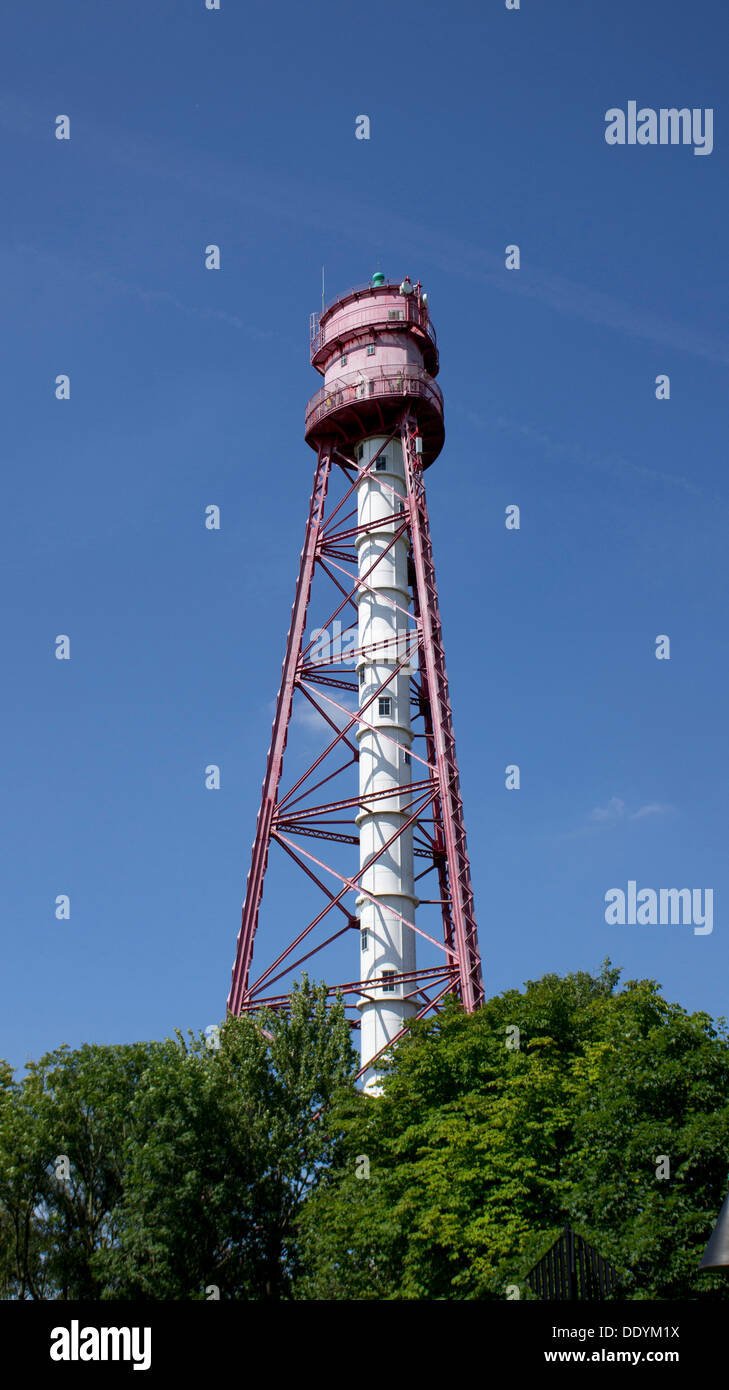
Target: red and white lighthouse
(376,425)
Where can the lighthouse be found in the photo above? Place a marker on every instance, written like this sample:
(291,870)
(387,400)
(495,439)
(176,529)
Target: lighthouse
(385,781)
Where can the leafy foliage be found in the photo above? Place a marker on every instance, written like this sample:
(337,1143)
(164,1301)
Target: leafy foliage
(479,1155)
(187,1162)
(155,1170)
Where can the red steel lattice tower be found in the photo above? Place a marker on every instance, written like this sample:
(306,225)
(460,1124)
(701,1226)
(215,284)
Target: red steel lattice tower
(379,691)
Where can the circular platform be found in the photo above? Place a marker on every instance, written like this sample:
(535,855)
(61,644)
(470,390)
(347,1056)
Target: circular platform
(372,401)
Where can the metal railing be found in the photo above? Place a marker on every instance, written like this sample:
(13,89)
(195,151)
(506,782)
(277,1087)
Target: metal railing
(370,382)
(413,311)
(354,289)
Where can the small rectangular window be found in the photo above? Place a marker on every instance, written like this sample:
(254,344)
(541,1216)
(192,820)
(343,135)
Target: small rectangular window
(343,360)
(393,314)
(364,939)
(407,759)
(361,675)
(388,982)
(370,350)
(384,705)
(381,464)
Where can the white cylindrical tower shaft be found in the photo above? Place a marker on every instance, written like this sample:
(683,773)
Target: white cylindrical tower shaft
(387,944)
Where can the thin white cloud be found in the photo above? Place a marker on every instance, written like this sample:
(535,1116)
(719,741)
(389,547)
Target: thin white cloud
(305,716)
(579,456)
(613,811)
(653,808)
(616,810)
(283,196)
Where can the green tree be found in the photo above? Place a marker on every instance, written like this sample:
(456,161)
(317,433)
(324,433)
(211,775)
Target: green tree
(651,1083)
(158,1169)
(227,1143)
(62,1136)
(479,1153)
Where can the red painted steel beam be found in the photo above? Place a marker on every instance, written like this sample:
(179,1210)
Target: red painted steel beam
(274,765)
(436,690)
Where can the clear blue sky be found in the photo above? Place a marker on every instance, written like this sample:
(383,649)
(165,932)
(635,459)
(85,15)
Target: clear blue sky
(188,387)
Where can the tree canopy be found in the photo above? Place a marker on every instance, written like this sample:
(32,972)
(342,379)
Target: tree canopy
(480,1150)
(247,1165)
(169,1170)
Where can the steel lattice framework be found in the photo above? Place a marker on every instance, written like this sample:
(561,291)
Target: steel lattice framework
(292,816)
